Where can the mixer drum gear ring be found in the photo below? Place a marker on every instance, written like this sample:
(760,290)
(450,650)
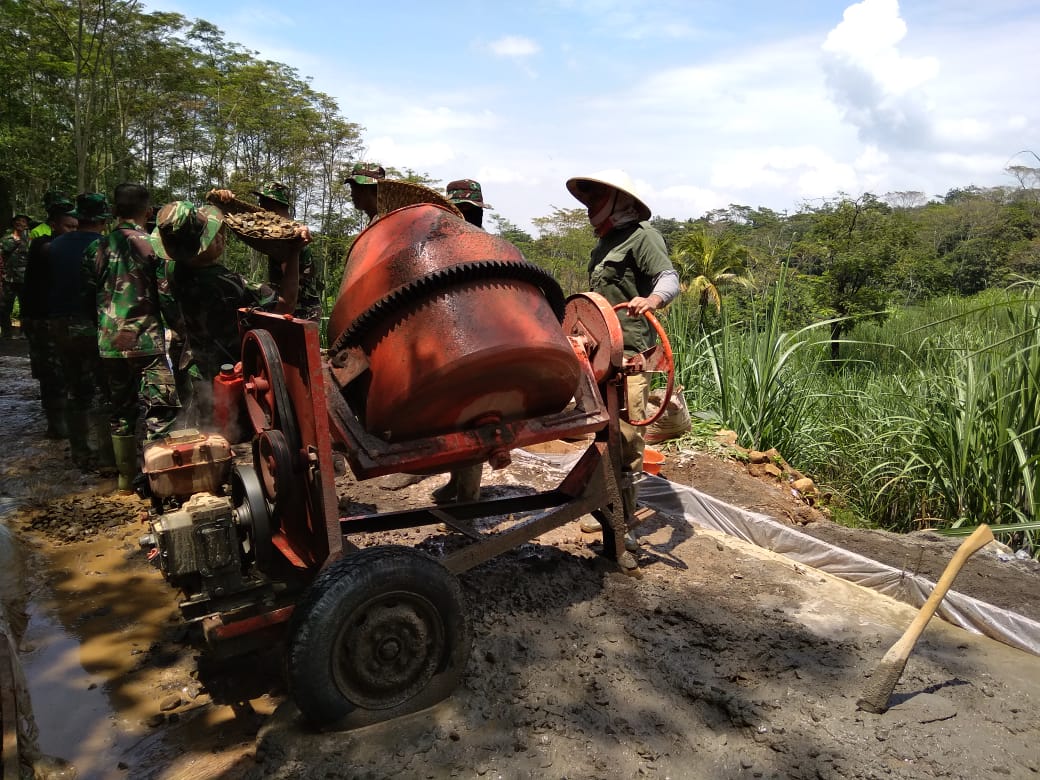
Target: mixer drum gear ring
(406,297)
(380,633)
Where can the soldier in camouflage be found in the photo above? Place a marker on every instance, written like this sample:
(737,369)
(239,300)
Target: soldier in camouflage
(14,249)
(274,197)
(56,205)
(207,295)
(467,197)
(363,180)
(131,337)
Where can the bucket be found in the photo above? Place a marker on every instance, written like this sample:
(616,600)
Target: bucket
(652,461)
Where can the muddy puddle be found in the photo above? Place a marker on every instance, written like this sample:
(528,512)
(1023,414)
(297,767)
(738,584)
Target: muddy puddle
(110,674)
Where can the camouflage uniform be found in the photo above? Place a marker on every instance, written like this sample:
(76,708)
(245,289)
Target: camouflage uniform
(131,338)
(467,197)
(312,283)
(14,250)
(203,298)
(184,374)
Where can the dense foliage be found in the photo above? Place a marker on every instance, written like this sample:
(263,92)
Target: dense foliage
(100,93)
(840,333)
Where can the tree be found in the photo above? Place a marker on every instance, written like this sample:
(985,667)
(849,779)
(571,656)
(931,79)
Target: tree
(564,246)
(851,245)
(706,262)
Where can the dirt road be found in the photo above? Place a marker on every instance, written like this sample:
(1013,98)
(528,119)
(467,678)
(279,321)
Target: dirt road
(720,661)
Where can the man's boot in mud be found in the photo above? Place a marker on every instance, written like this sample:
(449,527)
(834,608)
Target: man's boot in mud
(78,428)
(55,423)
(125,448)
(104,454)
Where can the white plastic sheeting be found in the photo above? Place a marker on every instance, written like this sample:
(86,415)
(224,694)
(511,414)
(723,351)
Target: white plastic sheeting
(701,509)
(766,532)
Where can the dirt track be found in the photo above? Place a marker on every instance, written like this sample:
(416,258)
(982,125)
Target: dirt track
(721,661)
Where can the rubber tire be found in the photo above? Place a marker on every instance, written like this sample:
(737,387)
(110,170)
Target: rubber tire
(337,599)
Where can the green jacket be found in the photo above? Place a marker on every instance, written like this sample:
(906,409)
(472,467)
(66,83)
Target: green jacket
(623,266)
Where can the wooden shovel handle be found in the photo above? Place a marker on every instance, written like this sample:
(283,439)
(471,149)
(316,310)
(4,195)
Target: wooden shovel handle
(979,539)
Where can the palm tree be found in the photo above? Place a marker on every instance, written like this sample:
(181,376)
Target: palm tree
(707,262)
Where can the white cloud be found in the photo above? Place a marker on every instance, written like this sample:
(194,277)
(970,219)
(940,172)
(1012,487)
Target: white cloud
(501,175)
(420,121)
(683,199)
(877,85)
(514,46)
(418,155)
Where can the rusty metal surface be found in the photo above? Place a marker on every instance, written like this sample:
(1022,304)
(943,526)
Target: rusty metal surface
(306,527)
(596,331)
(480,344)
(591,320)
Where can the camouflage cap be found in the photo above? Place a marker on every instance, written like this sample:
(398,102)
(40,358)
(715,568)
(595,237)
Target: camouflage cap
(366,173)
(187,230)
(275,191)
(466,191)
(55,198)
(91,206)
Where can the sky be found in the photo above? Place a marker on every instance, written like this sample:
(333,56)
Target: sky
(704,103)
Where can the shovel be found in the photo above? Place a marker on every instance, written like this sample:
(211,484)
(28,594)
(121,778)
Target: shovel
(883,681)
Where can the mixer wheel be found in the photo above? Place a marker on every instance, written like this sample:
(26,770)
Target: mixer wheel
(381,632)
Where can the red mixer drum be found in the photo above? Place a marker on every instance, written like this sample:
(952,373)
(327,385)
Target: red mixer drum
(458,328)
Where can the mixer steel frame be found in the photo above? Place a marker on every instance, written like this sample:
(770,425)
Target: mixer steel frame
(299,404)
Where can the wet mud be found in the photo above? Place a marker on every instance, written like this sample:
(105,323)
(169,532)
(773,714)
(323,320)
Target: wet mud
(719,661)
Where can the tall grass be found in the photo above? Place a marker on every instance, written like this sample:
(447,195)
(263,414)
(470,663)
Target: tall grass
(754,378)
(932,420)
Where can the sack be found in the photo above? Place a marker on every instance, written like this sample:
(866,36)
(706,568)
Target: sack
(673,423)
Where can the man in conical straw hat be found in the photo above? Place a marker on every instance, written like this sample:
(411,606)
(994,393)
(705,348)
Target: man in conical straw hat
(628,265)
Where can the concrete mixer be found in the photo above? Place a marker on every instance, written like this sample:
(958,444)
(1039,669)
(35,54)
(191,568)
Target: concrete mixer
(447,349)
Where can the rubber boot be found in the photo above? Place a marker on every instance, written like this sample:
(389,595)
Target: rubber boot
(106,456)
(55,423)
(77,425)
(125,448)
